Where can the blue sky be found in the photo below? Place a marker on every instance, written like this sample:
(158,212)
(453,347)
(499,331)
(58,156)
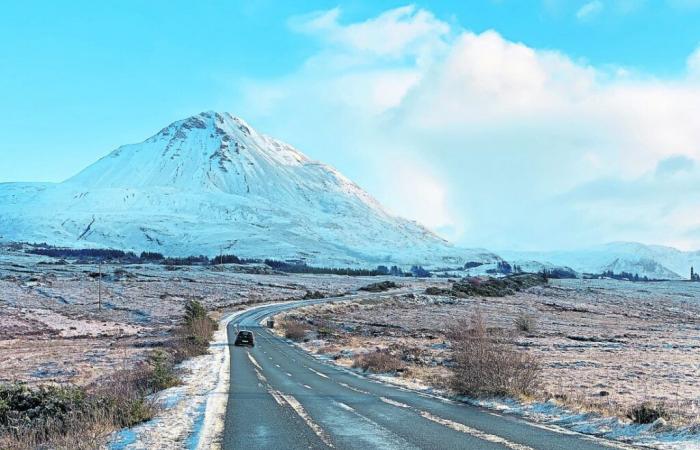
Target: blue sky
(444,110)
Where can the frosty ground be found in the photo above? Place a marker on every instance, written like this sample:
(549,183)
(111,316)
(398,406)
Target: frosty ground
(53,330)
(605,345)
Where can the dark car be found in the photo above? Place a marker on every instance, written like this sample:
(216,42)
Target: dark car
(245,338)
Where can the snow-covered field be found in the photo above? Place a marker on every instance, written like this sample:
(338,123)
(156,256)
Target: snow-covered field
(605,346)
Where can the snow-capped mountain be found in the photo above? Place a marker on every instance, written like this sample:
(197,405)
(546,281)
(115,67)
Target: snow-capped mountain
(210,183)
(653,261)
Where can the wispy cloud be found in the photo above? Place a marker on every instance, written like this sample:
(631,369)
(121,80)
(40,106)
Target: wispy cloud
(590,10)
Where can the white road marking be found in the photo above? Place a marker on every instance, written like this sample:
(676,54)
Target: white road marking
(255,363)
(346,407)
(345,385)
(380,437)
(474,432)
(301,412)
(318,373)
(277,396)
(394,402)
(260,376)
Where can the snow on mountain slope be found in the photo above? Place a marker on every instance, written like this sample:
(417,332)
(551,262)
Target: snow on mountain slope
(210,182)
(654,261)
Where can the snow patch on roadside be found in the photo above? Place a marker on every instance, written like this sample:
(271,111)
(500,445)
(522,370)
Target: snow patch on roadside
(193,413)
(613,428)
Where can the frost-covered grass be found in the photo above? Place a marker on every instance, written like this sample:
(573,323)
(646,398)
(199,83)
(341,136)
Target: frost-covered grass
(606,348)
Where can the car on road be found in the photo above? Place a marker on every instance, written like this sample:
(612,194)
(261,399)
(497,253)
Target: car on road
(245,337)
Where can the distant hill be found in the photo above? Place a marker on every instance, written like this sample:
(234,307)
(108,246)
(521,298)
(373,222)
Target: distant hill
(653,261)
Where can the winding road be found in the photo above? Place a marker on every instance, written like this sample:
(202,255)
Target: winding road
(282,398)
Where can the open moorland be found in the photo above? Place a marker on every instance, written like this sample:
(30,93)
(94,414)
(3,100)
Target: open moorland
(59,325)
(600,345)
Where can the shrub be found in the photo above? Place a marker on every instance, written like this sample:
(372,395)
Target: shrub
(162,371)
(380,286)
(525,323)
(486,364)
(194,336)
(647,412)
(193,311)
(294,329)
(496,287)
(378,362)
(71,416)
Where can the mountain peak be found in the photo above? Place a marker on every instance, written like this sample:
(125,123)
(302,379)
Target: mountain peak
(207,151)
(211,180)
(221,123)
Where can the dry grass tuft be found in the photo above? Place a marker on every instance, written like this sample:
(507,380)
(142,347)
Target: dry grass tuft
(525,323)
(377,362)
(487,364)
(647,412)
(294,329)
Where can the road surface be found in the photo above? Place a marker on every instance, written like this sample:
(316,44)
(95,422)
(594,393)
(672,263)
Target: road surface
(282,398)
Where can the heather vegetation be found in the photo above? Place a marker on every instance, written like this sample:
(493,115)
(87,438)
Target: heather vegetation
(80,417)
(382,286)
(71,416)
(490,287)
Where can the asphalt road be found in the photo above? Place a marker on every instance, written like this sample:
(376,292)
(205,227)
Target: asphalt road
(282,398)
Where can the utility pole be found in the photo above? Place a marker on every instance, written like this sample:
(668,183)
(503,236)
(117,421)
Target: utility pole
(99,286)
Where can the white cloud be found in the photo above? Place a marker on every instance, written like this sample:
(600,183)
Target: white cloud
(395,33)
(589,10)
(693,64)
(493,132)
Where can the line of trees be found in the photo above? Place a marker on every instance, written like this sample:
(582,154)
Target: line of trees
(284,266)
(626,276)
(147,257)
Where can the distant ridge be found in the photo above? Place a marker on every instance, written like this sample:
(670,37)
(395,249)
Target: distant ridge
(652,261)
